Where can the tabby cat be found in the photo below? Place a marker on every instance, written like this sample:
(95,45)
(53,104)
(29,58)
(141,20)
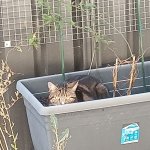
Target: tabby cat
(76,89)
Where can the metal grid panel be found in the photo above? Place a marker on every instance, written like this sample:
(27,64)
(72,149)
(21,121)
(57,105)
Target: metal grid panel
(16,21)
(21,18)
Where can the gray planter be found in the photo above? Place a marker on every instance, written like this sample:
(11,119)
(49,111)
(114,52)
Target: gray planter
(120,123)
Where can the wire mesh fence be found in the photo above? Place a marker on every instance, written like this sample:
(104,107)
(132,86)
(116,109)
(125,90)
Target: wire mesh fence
(79,19)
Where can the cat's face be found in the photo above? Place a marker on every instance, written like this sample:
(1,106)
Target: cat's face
(62,95)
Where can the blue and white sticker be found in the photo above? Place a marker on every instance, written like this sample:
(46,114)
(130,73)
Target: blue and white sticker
(130,134)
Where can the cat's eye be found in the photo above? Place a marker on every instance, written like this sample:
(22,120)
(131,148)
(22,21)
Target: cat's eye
(51,97)
(72,97)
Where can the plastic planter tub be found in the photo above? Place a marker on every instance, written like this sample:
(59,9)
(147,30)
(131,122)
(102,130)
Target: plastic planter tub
(119,123)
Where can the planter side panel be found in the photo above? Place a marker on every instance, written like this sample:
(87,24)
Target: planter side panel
(101,128)
(39,128)
(93,129)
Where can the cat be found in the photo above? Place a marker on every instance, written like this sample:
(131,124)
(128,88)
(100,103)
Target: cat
(79,88)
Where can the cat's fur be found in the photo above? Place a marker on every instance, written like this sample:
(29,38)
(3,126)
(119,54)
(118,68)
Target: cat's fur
(76,89)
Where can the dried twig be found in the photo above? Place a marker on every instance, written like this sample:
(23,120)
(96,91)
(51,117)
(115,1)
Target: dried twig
(115,77)
(133,75)
(60,139)
(8,136)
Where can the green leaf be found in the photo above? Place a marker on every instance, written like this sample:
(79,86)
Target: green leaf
(89,6)
(47,19)
(64,135)
(54,122)
(72,23)
(40,3)
(33,40)
(86,6)
(68,7)
(13,146)
(18,48)
(16,137)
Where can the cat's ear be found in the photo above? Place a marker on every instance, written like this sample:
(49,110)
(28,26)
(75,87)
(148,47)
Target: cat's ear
(72,86)
(51,86)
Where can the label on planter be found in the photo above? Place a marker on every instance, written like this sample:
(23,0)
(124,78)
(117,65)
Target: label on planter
(130,134)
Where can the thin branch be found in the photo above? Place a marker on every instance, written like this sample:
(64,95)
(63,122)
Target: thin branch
(4,138)
(121,35)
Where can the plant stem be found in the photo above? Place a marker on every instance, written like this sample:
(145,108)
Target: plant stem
(4,139)
(57,139)
(1,146)
(91,64)
(141,51)
(11,125)
(62,55)
(60,30)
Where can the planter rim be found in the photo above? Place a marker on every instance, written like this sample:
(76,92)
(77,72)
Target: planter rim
(81,106)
